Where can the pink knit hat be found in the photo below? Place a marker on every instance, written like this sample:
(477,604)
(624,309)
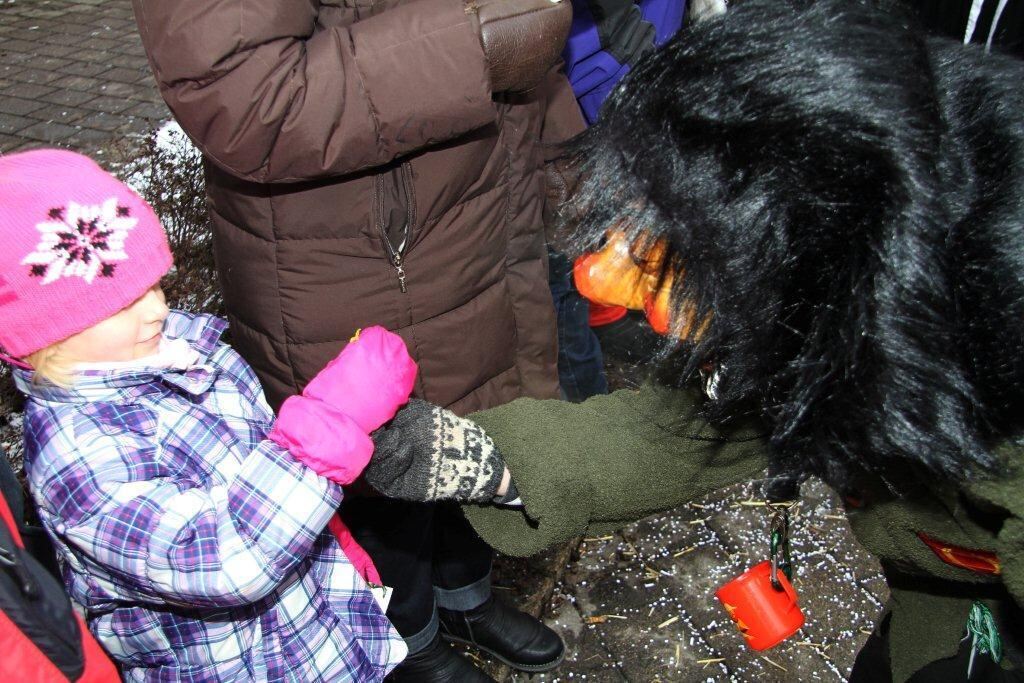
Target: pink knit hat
(76,246)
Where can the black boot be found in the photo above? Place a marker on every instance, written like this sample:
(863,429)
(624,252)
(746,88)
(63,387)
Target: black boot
(505,633)
(437,663)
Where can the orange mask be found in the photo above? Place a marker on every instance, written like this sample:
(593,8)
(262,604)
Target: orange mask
(616,275)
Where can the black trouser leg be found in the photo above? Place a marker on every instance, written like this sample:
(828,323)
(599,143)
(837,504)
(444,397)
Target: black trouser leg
(416,546)
(462,561)
(398,536)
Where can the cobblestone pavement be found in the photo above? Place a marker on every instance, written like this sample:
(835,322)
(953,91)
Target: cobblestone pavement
(73,74)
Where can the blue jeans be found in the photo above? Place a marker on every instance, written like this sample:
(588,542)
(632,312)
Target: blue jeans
(580,364)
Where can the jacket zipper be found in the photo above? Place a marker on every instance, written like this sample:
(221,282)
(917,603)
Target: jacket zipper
(396,255)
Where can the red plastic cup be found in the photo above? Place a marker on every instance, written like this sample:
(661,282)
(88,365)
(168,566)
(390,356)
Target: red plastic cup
(764,616)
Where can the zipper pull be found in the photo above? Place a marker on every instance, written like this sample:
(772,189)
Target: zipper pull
(10,561)
(401,273)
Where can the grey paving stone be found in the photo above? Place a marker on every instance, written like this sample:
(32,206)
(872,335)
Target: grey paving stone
(127,75)
(129,61)
(54,50)
(69,27)
(11,144)
(81,23)
(90,140)
(83,83)
(148,110)
(148,93)
(71,98)
(111,10)
(41,13)
(126,26)
(98,43)
(92,56)
(28,91)
(17,45)
(102,121)
(22,58)
(18,106)
(59,114)
(30,74)
(56,39)
(91,69)
(48,132)
(134,49)
(7,68)
(23,25)
(47,63)
(10,123)
(109,105)
(117,89)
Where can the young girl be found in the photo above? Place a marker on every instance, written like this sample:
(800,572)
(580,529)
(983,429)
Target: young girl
(191,526)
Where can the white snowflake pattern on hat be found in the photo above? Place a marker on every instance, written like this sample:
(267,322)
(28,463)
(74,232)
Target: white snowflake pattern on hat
(81,241)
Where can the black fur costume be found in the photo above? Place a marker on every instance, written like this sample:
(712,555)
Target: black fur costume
(844,204)
(846,199)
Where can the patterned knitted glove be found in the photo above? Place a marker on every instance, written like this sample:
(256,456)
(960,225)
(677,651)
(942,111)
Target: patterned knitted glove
(428,453)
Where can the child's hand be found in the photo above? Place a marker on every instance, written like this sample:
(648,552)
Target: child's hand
(327,426)
(368,380)
(428,453)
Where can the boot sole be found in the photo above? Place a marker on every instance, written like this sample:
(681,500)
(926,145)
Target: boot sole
(527,668)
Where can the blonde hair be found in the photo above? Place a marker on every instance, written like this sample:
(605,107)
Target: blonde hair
(52,366)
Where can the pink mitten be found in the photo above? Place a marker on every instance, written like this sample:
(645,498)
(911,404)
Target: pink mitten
(369,380)
(322,438)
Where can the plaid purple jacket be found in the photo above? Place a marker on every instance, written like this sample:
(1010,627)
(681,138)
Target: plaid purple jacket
(197,547)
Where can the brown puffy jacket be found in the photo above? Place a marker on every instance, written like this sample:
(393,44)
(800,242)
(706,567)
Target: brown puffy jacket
(353,149)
